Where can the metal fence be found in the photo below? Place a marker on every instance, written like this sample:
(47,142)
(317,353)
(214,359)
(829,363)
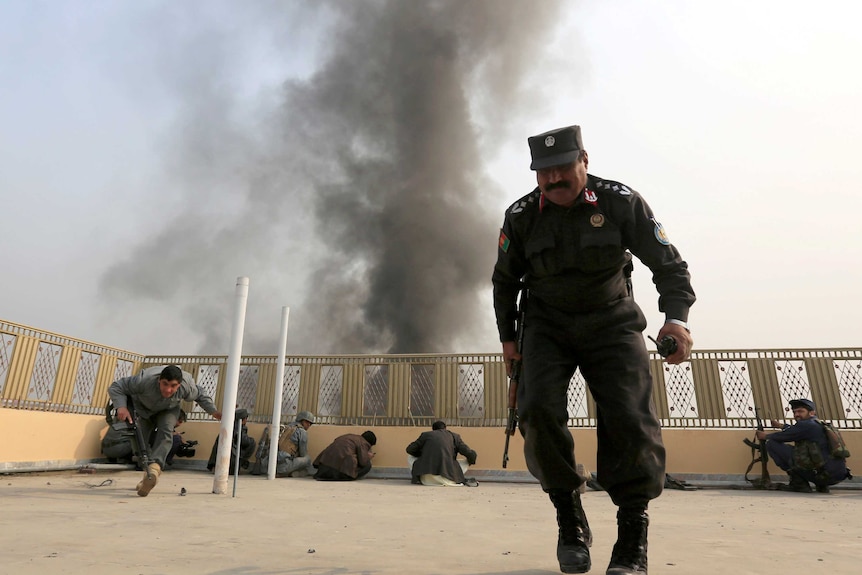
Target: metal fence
(714,389)
(44,371)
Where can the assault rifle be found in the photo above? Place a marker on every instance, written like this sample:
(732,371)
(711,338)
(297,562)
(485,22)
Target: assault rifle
(515,378)
(512,420)
(764,482)
(139,444)
(262,451)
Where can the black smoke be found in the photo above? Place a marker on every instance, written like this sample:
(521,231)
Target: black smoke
(363,186)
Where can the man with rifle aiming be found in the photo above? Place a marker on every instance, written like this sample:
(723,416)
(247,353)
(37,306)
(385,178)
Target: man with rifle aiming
(570,242)
(151,401)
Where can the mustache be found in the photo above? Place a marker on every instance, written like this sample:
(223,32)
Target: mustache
(558,186)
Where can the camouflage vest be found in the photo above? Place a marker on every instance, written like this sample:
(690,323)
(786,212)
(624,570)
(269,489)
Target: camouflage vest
(807,456)
(286,442)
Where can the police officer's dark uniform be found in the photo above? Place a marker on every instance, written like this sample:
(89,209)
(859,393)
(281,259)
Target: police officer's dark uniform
(576,264)
(834,470)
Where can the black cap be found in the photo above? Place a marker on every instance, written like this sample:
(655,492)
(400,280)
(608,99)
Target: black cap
(241,413)
(555,148)
(369,437)
(806,403)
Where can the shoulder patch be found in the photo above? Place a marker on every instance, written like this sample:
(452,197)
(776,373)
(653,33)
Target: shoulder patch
(660,234)
(504,242)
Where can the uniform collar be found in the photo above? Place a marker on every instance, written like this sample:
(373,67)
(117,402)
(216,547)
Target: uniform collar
(587,196)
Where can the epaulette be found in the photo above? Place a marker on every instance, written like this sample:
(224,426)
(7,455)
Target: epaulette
(616,189)
(530,199)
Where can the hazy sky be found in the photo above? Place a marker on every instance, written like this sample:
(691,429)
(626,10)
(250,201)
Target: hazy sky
(151,152)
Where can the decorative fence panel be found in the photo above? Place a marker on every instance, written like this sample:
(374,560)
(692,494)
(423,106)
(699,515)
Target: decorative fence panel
(714,389)
(45,371)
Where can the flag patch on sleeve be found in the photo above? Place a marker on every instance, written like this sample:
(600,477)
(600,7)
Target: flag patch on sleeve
(504,242)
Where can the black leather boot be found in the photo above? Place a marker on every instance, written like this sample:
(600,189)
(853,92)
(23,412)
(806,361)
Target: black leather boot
(629,556)
(575,536)
(798,483)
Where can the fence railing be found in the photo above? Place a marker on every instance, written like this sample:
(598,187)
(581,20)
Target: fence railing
(714,389)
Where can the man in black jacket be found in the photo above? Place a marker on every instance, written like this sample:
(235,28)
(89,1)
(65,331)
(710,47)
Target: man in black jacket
(569,244)
(432,457)
(246,445)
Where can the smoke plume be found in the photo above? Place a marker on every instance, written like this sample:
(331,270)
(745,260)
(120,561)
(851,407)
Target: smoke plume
(360,188)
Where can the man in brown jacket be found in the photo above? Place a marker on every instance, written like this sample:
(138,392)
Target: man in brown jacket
(348,457)
(432,458)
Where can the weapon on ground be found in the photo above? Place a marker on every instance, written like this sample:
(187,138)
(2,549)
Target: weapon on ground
(515,378)
(758,455)
(667,346)
(139,444)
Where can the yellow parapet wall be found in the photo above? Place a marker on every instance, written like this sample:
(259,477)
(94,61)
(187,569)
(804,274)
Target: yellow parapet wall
(45,440)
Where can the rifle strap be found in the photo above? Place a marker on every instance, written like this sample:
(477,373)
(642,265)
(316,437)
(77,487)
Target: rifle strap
(754,461)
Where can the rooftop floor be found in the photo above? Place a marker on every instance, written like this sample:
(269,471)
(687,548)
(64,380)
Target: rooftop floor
(69,522)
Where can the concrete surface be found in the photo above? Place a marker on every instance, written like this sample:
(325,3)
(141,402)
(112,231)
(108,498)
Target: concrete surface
(69,522)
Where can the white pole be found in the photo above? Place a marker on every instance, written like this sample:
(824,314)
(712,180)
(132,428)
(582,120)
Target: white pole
(231,381)
(279,391)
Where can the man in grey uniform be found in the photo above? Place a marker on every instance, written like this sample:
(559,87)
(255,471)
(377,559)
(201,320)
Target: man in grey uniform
(157,393)
(293,459)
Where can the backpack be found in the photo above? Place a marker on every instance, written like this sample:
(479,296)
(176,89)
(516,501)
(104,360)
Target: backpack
(837,447)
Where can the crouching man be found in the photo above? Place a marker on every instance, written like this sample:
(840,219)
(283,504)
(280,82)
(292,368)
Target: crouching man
(433,458)
(293,459)
(809,460)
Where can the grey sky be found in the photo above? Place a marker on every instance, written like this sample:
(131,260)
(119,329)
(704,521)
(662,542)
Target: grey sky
(119,121)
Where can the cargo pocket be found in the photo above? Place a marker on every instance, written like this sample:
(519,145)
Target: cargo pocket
(601,249)
(540,253)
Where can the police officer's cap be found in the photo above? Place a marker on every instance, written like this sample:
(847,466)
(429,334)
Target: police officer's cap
(555,148)
(305,416)
(241,413)
(806,403)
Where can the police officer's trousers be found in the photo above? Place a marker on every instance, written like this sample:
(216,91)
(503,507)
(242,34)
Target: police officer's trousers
(608,346)
(163,422)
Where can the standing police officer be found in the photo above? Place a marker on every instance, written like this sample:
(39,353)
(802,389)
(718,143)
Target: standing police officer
(569,245)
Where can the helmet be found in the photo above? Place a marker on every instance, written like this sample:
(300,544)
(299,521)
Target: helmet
(305,416)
